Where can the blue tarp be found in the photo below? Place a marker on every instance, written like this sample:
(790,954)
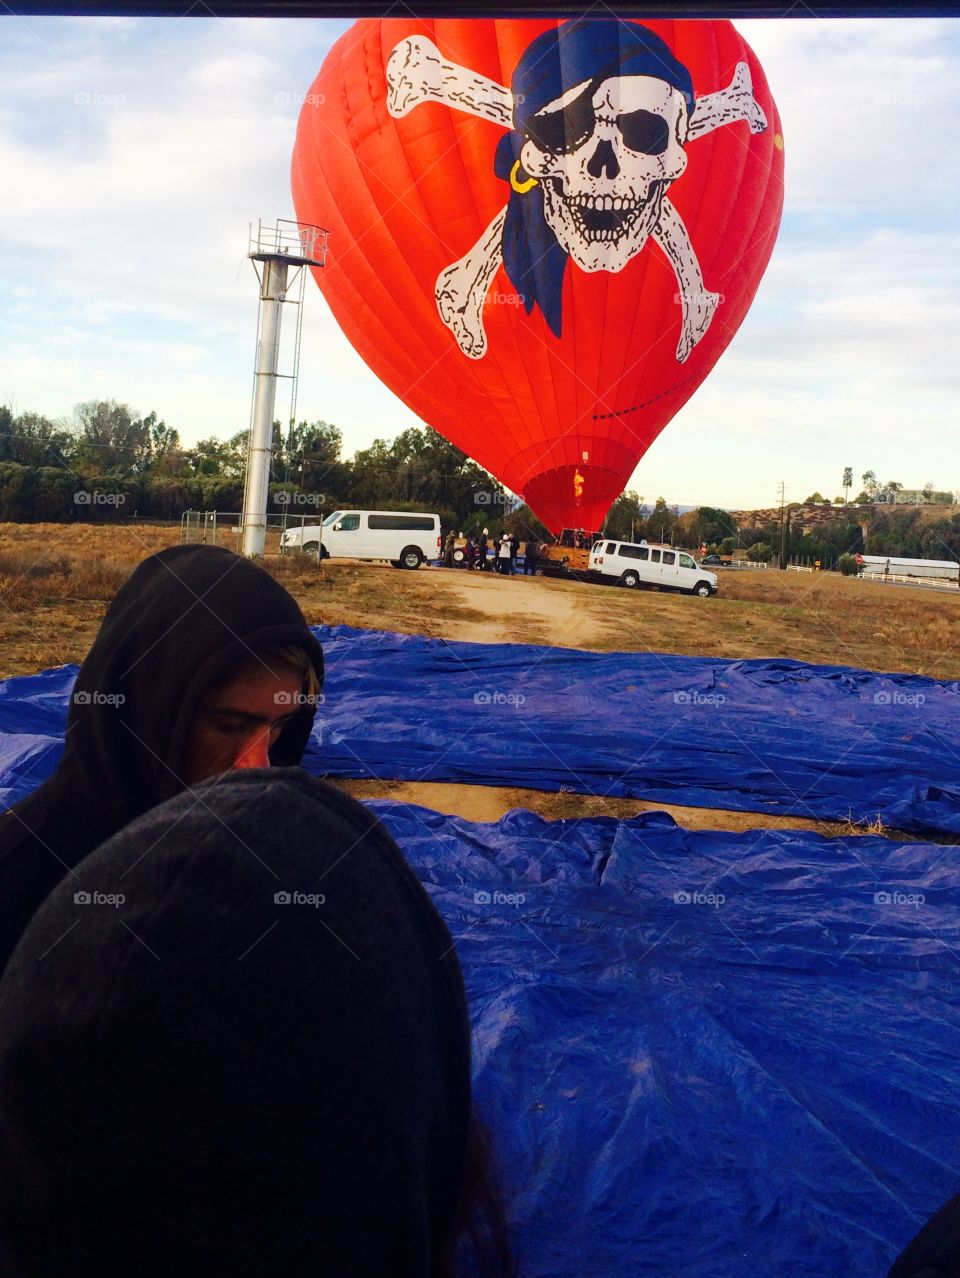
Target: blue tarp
(772,736)
(705,1055)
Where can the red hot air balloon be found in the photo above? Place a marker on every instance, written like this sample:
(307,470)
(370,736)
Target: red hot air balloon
(542,234)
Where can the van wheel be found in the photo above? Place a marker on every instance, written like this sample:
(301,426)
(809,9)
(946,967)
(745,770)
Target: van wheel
(702,589)
(310,548)
(411,557)
(630,579)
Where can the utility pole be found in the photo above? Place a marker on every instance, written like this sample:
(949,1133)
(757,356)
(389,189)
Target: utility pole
(783,526)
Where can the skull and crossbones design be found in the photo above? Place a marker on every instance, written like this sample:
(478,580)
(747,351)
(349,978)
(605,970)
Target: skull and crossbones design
(599,115)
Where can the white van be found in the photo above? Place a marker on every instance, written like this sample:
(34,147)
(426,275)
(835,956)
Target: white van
(649,565)
(404,538)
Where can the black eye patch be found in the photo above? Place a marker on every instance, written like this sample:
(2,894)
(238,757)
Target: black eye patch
(560,132)
(644,131)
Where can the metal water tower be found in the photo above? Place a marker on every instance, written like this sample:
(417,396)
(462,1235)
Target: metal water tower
(278,246)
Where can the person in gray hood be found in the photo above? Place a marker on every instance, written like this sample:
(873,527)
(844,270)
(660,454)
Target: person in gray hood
(237,1044)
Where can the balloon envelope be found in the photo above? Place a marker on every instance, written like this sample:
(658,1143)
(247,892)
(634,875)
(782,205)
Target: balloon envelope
(543,235)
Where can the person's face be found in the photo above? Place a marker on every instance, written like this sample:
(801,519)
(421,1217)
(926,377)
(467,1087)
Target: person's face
(239,720)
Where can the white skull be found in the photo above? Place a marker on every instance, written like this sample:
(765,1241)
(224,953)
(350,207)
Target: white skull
(602,197)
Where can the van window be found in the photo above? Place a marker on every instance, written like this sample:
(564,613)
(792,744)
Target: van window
(655,556)
(332,519)
(404,523)
(349,523)
(632,552)
(686,562)
(611,548)
(669,557)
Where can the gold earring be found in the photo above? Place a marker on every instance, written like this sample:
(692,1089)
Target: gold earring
(517,185)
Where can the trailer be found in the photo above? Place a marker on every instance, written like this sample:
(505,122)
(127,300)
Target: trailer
(891,567)
(569,555)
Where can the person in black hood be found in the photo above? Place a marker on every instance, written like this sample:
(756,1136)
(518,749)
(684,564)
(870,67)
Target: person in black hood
(203,663)
(237,1045)
(935,1251)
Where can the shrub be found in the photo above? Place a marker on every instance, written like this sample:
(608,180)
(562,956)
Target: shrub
(848,565)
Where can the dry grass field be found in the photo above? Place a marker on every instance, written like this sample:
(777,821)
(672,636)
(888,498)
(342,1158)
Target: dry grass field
(56,580)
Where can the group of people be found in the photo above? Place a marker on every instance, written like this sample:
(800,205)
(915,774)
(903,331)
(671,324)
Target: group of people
(488,553)
(234,1036)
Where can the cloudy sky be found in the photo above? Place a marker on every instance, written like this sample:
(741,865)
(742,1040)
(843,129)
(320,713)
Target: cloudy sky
(135,152)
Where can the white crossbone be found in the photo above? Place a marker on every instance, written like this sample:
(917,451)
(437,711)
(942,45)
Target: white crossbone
(418,73)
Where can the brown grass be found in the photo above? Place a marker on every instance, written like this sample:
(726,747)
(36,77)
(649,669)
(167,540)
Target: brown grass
(56,580)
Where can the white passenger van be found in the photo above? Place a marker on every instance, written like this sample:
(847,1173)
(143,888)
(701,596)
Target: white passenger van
(630,564)
(402,537)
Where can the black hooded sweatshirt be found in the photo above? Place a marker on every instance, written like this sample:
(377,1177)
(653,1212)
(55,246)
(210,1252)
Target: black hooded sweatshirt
(211,1077)
(177,626)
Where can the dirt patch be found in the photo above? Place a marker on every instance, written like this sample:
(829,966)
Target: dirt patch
(489,803)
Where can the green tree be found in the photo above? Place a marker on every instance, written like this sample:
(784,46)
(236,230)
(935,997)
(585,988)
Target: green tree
(33,440)
(815,499)
(111,437)
(625,517)
(847,481)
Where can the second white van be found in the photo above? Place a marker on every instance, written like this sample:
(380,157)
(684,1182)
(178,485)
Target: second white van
(632,565)
(403,538)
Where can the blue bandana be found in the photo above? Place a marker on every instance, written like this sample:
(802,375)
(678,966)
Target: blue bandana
(577,51)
